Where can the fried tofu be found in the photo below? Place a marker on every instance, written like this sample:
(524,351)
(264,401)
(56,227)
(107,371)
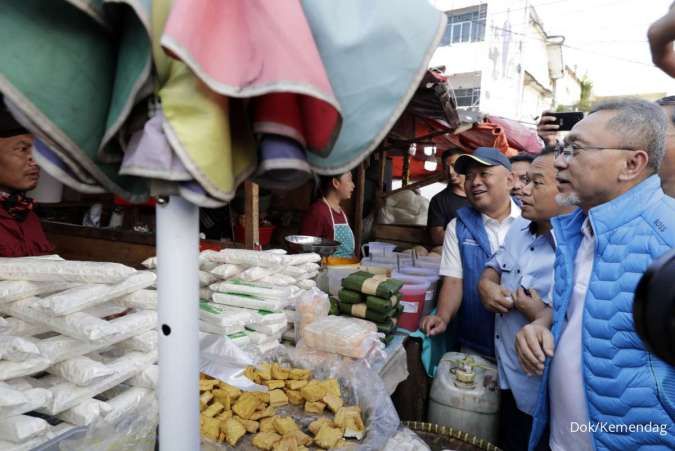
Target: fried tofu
(204,400)
(265,371)
(263,396)
(289,443)
(313,391)
(300,437)
(205,385)
(342,443)
(224,416)
(332,386)
(250,425)
(279,372)
(316,425)
(233,430)
(349,418)
(246,405)
(333,402)
(222,397)
(268,411)
(278,398)
(295,398)
(232,392)
(298,374)
(285,425)
(327,437)
(315,407)
(265,440)
(252,374)
(267,425)
(295,385)
(209,427)
(274,384)
(213,410)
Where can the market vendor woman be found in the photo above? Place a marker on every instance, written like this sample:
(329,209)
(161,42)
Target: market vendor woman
(325,217)
(21,233)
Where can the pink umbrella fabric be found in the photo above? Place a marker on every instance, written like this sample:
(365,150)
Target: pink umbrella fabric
(258,49)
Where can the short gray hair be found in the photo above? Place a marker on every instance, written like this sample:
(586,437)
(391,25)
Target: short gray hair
(640,124)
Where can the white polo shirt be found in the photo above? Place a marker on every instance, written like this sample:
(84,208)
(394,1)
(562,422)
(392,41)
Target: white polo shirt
(451,262)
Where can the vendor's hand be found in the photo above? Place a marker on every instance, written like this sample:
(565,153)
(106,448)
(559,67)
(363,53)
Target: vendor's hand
(547,130)
(529,305)
(661,35)
(433,325)
(533,343)
(495,298)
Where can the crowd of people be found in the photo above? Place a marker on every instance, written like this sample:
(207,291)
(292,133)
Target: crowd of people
(539,271)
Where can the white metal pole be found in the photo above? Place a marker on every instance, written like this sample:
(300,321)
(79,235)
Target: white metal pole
(178,287)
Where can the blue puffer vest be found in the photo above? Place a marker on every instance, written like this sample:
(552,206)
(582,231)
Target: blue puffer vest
(625,385)
(476,324)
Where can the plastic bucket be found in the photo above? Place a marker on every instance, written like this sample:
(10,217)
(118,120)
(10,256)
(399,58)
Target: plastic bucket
(430,281)
(377,248)
(412,300)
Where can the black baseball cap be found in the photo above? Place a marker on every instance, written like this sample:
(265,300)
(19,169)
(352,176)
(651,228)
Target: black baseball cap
(487,156)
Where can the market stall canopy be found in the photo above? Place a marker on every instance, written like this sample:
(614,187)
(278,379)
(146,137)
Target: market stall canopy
(322,87)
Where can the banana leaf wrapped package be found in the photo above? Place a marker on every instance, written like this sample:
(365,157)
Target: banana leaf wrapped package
(371,284)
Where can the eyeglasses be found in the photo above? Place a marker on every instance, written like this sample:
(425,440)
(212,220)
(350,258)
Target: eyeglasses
(568,151)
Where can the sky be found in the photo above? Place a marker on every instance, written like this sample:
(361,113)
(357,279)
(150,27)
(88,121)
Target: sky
(607,41)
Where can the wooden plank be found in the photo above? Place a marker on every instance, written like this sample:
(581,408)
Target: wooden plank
(101,250)
(358,208)
(252,211)
(428,181)
(406,170)
(399,234)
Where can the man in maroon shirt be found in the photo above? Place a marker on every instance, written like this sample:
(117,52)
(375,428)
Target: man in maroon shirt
(21,234)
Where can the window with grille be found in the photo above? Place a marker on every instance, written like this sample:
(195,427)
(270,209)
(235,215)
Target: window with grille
(469,97)
(465,25)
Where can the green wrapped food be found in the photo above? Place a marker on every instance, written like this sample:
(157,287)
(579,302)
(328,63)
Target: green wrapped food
(371,284)
(349,296)
(334,309)
(362,311)
(387,326)
(382,305)
(387,339)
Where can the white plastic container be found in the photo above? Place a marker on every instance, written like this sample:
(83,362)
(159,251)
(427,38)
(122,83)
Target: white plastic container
(465,395)
(432,290)
(377,249)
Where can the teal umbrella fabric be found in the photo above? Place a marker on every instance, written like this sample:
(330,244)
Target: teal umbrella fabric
(375,54)
(75,70)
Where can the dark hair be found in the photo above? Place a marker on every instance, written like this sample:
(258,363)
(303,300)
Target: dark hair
(522,156)
(547,150)
(326,183)
(448,153)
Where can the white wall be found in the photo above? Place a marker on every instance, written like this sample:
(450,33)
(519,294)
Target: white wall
(465,81)
(568,90)
(535,55)
(460,58)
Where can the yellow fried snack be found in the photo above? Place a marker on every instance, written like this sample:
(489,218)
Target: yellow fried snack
(278,398)
(286,444)
(265,440)
(204,399)
(250,425)
(221,437)
(279,372)
(251,373)
(342,443)
(222,397)
(294,397)
(315,407)
(327,437)
(232,392)
(274,384)
(233,430)
(333,402)
(300,437)
(263,396)
(284,425)
(265,371)
(354,427)
(205,385)
(295,385)
(268,411)
(267,424)
(224,416)
(332,386)
(209,427)
(314,391)
(300,374)
(246,405)
(213,410)
(315,426)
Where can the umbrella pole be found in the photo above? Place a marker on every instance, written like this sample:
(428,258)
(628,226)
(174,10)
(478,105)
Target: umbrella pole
(178,290)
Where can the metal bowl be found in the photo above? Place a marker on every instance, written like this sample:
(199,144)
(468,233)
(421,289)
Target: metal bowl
(304,243)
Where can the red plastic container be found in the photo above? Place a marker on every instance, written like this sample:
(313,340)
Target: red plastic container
(412,300)
(264,231)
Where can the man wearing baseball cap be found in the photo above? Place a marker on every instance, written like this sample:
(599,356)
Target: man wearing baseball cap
(470,241)
(21,233)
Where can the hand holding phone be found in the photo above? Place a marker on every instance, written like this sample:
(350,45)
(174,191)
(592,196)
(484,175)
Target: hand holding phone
(565,121)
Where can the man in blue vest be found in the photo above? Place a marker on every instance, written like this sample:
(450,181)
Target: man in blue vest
(601,389)
(470,241)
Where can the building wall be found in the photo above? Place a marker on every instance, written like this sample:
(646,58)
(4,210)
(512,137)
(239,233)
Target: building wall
(568,89)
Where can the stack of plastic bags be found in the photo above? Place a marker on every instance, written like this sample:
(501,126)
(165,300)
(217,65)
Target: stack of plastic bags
(373,297)
(248,296)
(58,350)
